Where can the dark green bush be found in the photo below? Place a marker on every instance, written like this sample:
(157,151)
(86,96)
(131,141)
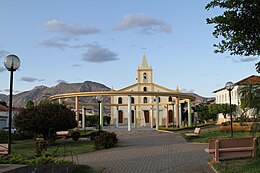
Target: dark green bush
(106,121)
(227,123)
(105,140)
(94,134)
(3,136)
(75,135)
(41,147)
(92,120)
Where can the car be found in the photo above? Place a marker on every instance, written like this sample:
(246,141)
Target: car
(13,130)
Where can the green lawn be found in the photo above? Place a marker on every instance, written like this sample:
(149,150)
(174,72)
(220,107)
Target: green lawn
(207,134)
(26,148)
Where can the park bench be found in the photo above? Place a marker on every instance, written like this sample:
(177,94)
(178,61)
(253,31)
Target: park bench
(196,133)
(3,149)
(231,148)
(62,134)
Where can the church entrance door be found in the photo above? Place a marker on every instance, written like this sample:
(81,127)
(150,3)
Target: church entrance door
(146,116)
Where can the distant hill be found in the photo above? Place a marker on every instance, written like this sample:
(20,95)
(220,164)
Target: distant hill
(42,92)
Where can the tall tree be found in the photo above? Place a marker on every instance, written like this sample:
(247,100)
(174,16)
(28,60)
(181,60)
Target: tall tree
(239,27)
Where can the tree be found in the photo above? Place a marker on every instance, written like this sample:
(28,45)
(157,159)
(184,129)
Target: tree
(203,111)
(250,97)
(214,108)
(29,104)
(239,26)
(44,118)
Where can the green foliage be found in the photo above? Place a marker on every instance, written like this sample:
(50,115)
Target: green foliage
(13,159)
(238,25)
(185,128)
(29,104)
(250,97)
(257,66)
(75,135)
(45,117)
(106,120)
(43,160)
(248,165)
(214,108)
(104,139)
(92,120)
(3,136)
(225,109)
(202,110)
(227,123)
(41,147)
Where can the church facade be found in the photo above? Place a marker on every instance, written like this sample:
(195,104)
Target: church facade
(143,108)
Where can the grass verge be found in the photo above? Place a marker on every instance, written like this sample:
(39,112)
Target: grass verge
(207,134)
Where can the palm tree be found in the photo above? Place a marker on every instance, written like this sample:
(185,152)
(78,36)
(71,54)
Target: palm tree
(250,97)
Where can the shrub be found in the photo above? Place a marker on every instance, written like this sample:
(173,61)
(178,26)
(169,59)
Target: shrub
(92,120)
(106,120)
(3,136)
(41,147)
(75,135)
(227,123)
(106,140)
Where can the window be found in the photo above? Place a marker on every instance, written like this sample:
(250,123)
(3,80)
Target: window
(145,89)
(132,100)
(119,100)
(145,77)
(145,99)
(170,99)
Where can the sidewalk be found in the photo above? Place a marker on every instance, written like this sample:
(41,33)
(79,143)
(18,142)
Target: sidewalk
(146,150)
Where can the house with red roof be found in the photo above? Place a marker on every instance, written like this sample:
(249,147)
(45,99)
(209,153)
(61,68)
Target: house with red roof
(222,96)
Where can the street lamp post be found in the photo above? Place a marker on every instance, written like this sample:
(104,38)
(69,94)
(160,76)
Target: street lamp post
(12,63)
(229,86)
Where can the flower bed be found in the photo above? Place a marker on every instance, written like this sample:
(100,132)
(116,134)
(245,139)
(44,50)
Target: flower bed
(236,128)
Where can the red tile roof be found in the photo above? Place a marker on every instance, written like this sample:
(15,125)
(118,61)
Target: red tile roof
(253,79)
(249,80)
(3,108)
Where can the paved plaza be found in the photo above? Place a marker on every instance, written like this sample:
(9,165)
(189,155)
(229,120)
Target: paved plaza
(147,150)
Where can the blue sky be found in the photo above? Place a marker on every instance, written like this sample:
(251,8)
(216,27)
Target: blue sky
(104,41)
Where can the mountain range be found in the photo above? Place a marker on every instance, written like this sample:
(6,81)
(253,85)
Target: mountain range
(39,93)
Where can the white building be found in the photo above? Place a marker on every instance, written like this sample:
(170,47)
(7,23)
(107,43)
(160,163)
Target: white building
(143,109)
(222,95)
(4,112)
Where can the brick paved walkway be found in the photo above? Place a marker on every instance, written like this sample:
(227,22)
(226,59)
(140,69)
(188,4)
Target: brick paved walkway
(146,150)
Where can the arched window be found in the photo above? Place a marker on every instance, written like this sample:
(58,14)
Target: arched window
(145,89)
(145,77)
(145,99)
(170,99)
(159,98)
(119,100)
(132,100)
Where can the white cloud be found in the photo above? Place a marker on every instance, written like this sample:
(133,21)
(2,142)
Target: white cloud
(56,42)
(77,65)
(61,81)
(70,29)
(98,54)
(3,53)
(248,59)
(144,23)
(30,79)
